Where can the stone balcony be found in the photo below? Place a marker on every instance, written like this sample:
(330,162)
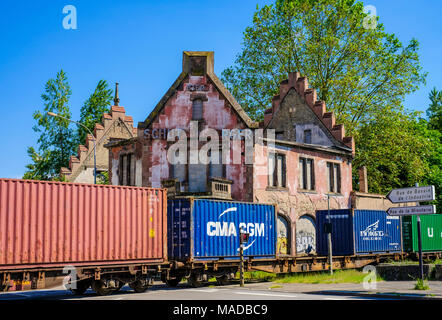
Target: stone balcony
(217,188)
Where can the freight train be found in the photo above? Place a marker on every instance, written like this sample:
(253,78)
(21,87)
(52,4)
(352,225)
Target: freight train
(104,237)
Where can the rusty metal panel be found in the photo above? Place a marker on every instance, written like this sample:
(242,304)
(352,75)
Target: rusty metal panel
(56,224)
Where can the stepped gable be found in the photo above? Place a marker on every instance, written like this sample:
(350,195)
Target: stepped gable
(300,84)
(117,113)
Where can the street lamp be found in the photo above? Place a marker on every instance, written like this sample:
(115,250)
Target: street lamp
(52,114)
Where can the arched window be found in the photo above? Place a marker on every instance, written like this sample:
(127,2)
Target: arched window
(283,234)
(305,235)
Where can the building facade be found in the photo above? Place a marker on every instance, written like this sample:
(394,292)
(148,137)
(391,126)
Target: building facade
(115,125)
(300,160)
(196,102)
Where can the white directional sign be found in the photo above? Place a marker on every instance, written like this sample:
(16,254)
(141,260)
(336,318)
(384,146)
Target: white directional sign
(414,194)
(405,211)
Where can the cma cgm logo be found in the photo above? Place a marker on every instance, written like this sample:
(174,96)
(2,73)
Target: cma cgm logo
(372,232)
(228,229)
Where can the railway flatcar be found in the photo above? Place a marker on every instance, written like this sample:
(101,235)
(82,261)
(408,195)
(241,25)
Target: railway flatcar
(202,230)
(357,232)
(107,236)
(95,235)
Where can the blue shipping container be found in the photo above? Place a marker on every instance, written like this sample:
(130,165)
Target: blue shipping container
(358,232)
(209,229)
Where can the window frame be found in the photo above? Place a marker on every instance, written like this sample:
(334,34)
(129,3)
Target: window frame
(194,102)
(275,174)
(331,167)
(127,169)
(302,173)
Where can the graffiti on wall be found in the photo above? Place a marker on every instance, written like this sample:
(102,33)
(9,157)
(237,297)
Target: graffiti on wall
(305,235)
(282,246)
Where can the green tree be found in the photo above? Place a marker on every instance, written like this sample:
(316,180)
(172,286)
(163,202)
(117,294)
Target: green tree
(39,169)
(359,72)
(56,141)
(98,103)
(434,112)
(399,149)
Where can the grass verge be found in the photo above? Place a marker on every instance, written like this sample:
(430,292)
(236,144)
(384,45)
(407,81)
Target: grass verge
(339,276)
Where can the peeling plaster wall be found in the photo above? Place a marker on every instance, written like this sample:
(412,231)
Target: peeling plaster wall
(85,176)
(151,155)
(292,203)
(318,135)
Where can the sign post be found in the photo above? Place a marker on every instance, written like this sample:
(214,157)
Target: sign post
(243,237)
(419,239)
(414,194)
(329,236)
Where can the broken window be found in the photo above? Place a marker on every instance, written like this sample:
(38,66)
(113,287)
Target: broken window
(277,170)
(127,170)
(308,136)
(334,177)
(306,174)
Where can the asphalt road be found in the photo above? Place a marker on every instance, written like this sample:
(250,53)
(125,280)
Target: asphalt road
(182,292)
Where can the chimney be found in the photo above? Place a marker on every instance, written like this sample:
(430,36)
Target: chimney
(116,99)
(363,183)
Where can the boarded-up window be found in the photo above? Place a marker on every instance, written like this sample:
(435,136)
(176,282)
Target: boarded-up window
(308,136)
(277,170)
(179,170)
(283,232)
(127,170)
(334,177)
(305,235)
(306,174)
(197,109)
(216,170)
(280,135)
(271,169)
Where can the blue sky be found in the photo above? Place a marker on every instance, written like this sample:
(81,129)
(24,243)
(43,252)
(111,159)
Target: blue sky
(139,44)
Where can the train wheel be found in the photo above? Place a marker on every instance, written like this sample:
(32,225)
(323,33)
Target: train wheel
(173,282)
(138,286)
(120,285)
(222,280)
(81,287)
(194,282)
(99,287)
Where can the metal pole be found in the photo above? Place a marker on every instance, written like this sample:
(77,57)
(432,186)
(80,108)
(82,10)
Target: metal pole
(241,260)
(87,129)
(330,254)
(421,263)
(419,236)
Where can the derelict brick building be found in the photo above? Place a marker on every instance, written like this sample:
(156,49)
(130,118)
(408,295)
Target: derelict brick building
(310,159)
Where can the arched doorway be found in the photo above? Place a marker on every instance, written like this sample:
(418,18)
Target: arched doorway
(283,234)
(305,235)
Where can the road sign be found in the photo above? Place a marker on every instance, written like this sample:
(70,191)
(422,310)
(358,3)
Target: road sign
(405,211)
(414,194)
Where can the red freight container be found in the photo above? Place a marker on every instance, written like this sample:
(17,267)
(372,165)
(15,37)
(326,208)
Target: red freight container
(50,224)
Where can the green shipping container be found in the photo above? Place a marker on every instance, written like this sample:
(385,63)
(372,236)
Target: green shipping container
(431,227)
